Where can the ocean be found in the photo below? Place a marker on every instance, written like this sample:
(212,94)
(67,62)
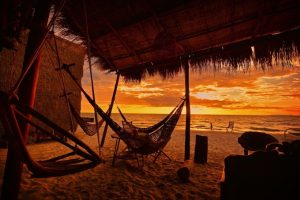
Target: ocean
(273,124)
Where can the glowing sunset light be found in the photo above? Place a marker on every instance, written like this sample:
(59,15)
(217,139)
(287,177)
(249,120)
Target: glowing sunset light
(273,92)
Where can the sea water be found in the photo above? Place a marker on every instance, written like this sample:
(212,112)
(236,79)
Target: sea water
(273,124)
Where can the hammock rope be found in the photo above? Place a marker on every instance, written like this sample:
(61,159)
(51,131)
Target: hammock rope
(110,108)
(60,78)
(90,69)
(62,81)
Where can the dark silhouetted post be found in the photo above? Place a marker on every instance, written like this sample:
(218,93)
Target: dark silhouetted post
(27,90)
(188,110)
(110,109)
(201,149)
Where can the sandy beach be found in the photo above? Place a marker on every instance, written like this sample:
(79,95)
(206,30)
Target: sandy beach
(125,180)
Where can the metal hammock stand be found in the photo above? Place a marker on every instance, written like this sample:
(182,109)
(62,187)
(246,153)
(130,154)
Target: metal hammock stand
(11,108)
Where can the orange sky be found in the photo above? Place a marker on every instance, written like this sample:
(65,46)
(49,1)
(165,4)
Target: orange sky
(251,93)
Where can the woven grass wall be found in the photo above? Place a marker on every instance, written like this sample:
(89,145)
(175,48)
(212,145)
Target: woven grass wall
(49,97)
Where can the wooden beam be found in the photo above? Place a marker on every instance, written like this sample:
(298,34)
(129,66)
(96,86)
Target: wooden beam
(110,108)
(188,110)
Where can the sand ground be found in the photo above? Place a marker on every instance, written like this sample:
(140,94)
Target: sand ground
(126,180)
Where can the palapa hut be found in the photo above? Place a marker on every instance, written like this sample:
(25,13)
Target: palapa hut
(136,37)
(50,99)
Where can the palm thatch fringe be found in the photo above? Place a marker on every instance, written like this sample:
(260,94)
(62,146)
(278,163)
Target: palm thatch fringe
(166,69)
(278,50)
(264,52)
(232,56)
(134,74)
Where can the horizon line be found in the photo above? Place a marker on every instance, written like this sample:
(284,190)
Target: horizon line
(202,114)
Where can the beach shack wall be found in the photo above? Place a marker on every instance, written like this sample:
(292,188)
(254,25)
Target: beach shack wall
(50,99)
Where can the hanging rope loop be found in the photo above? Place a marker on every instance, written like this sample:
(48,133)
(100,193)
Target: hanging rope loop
(90,69)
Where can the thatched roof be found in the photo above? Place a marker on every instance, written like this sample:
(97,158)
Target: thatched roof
(139,37)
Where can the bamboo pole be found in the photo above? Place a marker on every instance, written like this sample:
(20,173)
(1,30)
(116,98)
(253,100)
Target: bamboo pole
(188,110)
(110,108)
(27,91)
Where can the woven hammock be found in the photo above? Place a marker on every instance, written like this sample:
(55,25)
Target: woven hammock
(150,128)
(159,138)
(89,128)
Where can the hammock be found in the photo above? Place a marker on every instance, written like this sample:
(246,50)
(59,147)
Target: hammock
(57,166)
(139,143)
(160,137)
(89,128)
(144,143)
(150,128)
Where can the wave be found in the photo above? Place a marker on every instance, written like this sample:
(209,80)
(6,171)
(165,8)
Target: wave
(265,129)
(272,124)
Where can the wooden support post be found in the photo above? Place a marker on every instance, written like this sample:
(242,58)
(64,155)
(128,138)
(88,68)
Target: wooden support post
(13,167)
(188,110)
(201,149)
(110,108)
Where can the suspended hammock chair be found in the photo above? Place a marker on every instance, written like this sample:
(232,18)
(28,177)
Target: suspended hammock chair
(11,108)
(89,128)
(149,129)
(138,142)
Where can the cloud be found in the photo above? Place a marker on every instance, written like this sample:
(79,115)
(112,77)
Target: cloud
(292,95)
(293,111)
(276,90)
(257,107)
(213,103)
(139,89)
